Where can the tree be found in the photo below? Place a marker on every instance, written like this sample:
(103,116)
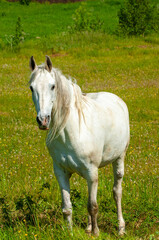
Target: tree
(138,17)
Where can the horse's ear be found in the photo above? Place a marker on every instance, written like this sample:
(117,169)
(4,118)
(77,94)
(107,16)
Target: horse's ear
(48,64)
(32,63)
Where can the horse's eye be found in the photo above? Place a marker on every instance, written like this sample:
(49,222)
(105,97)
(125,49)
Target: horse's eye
(31,88)
(53,86)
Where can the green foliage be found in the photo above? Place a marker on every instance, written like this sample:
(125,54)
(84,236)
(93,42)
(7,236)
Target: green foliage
(85,20)
(3,14)
(19,35)
(138,17)
(6,213)
(15,40)
(25,2)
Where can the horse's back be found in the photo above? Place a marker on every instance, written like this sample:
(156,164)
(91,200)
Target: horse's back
(106,98)
(110,101)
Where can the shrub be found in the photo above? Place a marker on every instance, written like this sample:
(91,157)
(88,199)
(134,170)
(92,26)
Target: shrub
(84,20)
(138,17)
(19,34)
(18,37)
(25,2)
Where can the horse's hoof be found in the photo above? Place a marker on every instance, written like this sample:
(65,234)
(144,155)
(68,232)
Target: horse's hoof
(88,229)
(121,231)
(88,233)
(96,232)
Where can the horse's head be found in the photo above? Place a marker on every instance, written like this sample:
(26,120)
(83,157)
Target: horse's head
(42,85)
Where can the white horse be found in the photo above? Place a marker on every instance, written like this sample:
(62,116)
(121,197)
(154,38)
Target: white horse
(86,132)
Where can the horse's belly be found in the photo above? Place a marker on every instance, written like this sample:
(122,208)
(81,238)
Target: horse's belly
(114,146)
(110,154)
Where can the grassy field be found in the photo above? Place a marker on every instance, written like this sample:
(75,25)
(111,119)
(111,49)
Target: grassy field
(30,201)
(41,20)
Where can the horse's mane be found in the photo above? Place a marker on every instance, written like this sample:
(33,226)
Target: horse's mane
(62,104)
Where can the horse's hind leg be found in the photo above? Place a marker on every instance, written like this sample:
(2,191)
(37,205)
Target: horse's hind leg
(118,169)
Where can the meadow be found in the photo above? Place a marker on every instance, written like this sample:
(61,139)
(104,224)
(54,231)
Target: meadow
(30,201)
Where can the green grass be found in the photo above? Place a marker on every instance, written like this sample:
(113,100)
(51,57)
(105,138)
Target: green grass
(41,20)
(30,201)
(44,19)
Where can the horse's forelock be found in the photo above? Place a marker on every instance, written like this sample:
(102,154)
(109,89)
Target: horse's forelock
(37,70)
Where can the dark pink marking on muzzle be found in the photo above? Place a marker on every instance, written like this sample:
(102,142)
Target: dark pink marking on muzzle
(43,122)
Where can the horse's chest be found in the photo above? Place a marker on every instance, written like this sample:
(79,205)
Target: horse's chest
(69,160)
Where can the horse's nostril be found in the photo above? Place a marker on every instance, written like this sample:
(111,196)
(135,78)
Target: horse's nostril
(38,120)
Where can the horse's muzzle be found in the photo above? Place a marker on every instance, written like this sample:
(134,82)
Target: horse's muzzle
(43,122)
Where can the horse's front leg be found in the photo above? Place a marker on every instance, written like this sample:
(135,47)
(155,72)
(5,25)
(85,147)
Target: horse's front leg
(63,180)
(89,226)
(92,203)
